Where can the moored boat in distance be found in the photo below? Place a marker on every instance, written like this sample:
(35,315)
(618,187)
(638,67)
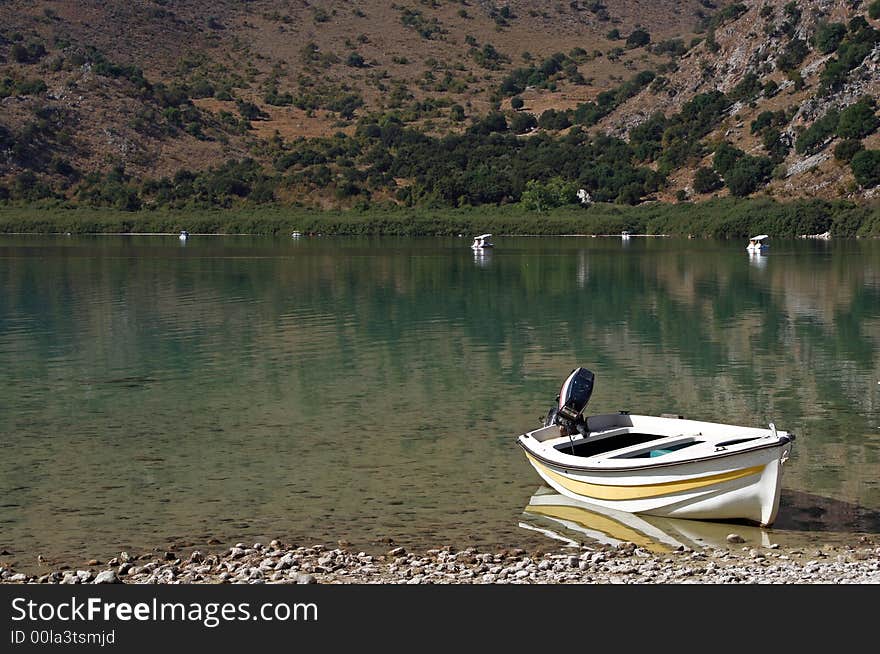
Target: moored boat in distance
(482,241)
(758,243)
(183,235)
(662,466)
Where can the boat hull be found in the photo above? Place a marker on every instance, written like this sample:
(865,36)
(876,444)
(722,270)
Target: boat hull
(743,485)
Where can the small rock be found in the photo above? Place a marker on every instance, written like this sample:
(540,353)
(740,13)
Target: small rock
(735,538)
(305,578)
(93,562)
(107,577)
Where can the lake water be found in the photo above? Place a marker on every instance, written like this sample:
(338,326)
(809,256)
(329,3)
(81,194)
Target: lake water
(156,393)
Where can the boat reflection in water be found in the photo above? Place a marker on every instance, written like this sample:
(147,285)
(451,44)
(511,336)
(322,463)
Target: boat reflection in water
(576,523)
(482,257)
(758,259)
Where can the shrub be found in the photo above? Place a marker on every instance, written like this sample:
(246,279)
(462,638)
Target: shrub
(793,54)
(874,9)
(813,139)
(725,157)
(556,192)
(858,120)
(767,120)
(747,89)
(355,60)
(828,36)
(522,123)
(517,102)
(865,166)
(27,54)
(554,120)
(706,180)
(491,122)
(747,174)
(638,38)
(846,150)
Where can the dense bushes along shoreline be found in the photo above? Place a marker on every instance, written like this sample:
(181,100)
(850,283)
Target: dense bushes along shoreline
(720,218)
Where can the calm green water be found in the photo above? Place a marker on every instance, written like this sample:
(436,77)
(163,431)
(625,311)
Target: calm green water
(156,393)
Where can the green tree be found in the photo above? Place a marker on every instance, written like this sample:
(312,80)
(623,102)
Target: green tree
(638,38)
(747,174)
(523,122)
(828,36)
(865,166)
(725,157)
(556,192)
(858,120)
(846,150)
(814,138)
(706,180)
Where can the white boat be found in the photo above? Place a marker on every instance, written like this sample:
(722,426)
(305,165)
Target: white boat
(624,235)
(295,234)
(663,466)
(184,235)
(572,521)
(758,243)
(481,242)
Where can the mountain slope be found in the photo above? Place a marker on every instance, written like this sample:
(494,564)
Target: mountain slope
(154,102)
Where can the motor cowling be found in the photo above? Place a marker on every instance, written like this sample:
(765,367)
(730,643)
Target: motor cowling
(573,398)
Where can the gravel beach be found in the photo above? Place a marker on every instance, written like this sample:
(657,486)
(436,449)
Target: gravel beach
(626,563)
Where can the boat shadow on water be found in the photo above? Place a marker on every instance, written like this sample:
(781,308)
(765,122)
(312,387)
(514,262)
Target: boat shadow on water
(806,512)
(802,518)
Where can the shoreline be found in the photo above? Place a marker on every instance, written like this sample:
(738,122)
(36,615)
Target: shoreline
(277,562)
(714,218)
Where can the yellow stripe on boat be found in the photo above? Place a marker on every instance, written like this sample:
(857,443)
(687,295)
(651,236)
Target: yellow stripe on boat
(635,492)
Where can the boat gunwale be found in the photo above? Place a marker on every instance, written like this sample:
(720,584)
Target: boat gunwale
(781,441)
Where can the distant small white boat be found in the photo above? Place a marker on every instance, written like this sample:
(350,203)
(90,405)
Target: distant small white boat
(296,234)
(481,242)
(184,235)
(624,235)
(758,243)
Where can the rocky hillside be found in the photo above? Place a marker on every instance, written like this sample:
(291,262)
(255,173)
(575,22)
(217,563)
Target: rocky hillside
(786,66)
(193,103)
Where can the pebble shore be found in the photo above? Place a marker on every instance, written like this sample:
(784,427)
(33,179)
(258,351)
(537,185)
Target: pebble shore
(625,563)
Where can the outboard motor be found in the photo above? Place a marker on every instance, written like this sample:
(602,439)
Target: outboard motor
(571,402)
